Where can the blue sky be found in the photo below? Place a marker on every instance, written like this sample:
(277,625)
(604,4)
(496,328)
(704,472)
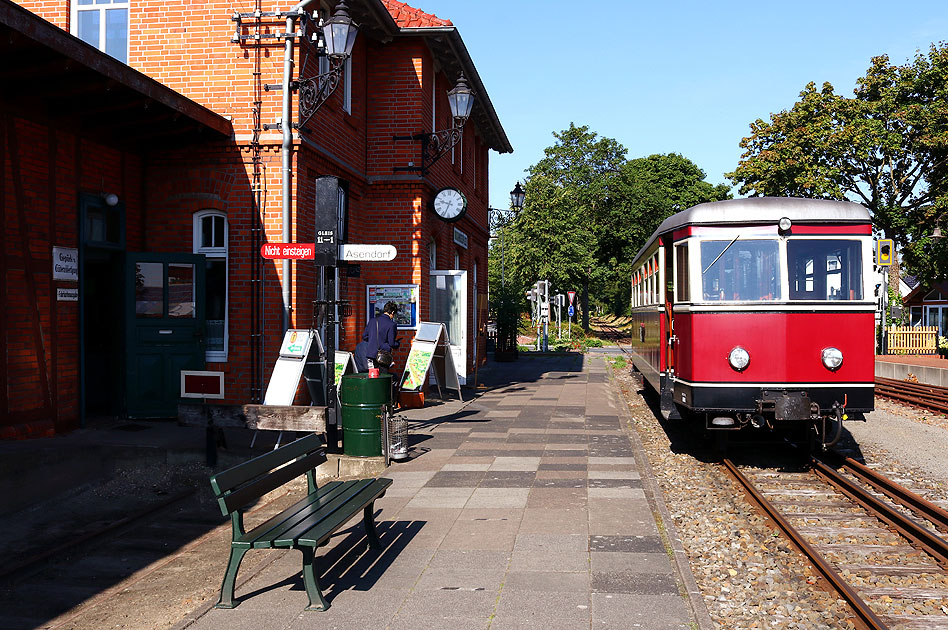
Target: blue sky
(669,77)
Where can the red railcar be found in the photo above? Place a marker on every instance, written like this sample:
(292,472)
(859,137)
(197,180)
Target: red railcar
(758,312)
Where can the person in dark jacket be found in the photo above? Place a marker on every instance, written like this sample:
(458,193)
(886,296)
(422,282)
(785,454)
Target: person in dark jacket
(380,334)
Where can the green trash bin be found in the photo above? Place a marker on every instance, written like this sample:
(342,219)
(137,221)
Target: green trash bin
(362,399)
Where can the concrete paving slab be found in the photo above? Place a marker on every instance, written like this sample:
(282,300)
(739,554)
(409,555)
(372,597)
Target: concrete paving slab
(614,474)
(441,497)
(466,559)
(556,498)
(465,467)
(616,493)
(640,612)
(565,561)
(555,521)
(516,463)
(524,609)
(614,561)
(452,603)
(499,497)
(548,581)
(633,583)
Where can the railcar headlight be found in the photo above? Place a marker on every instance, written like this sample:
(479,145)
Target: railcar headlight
(832,358)
(784,224)
(738,358)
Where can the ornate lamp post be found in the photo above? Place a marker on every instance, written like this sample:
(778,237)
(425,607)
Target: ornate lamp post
(434,145)
(335,37)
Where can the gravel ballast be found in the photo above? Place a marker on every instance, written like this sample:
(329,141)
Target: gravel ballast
(748,574)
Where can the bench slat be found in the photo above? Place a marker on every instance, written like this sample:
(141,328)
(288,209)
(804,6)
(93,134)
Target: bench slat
(253,491)
(338,502)
(241,473)
(291,515)
(316,528)
(316,535)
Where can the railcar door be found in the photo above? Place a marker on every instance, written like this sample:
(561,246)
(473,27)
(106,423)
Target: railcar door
(669,316)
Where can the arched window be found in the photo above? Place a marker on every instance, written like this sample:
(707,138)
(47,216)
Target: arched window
(210,239)
(433,254)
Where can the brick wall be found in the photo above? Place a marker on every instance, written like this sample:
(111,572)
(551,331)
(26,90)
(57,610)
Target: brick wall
(44,173)
(187,46)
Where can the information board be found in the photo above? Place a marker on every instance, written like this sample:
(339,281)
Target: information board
(404,295)
(285,378)
(430,354)
(417,364)
(345,364)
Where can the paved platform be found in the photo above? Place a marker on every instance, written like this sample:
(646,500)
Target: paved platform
(931,369)
(523,508)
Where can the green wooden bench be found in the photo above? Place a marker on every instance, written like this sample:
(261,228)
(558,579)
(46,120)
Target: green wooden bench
(306,525)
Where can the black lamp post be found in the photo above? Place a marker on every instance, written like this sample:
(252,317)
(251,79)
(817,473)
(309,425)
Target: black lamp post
(339,34)
(435,144)
(516,197)
(335,37)
(516,204)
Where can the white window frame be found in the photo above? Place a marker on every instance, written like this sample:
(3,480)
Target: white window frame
(75,8)
(347,85)
(216,356)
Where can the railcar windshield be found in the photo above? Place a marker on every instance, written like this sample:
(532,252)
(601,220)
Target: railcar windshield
(740,270)
(825,269)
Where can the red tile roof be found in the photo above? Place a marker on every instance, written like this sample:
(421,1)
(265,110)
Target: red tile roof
(410,17)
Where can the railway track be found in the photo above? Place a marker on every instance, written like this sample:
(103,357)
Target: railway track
(91,562)
(612,333)
(876,543)
(921,395)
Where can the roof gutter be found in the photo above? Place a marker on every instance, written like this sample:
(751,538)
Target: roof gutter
(470,72)
(286,154)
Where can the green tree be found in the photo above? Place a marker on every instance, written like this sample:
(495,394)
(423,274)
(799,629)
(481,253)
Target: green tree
(588,211)
(554,237)
(644,192)
(886,148)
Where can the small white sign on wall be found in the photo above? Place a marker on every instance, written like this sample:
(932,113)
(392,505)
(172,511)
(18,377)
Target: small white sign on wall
(67,295)
(66,263)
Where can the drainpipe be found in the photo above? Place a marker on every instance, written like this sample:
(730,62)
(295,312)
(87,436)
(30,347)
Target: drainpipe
(286,172)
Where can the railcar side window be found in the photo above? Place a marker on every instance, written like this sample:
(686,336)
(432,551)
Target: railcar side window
(740,270)
(825,269)
(682,272)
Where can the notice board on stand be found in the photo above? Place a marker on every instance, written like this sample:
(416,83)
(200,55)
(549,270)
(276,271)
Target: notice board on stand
(285,379)
(430,354)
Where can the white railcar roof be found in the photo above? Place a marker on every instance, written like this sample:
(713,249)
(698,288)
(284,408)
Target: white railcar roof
(762,210)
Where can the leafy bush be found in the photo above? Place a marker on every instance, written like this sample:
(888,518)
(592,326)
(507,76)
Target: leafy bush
(506,309)
(592,342)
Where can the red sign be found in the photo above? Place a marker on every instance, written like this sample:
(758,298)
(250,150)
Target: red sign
(572,296)
(295,251)
(201,384)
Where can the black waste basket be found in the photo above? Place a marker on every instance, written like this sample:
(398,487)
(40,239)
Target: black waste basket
(362,400)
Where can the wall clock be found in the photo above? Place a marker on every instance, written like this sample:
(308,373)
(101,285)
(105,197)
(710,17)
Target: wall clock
(450,204)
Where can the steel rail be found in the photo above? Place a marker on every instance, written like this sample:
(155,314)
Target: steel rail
(933,544)
(902,495)
(39,559)
(928,396)
(859,606)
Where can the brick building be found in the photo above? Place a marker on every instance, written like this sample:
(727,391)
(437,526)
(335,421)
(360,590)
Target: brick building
(154,171)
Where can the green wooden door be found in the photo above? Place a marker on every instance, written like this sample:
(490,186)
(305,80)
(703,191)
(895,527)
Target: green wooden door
(164,328)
